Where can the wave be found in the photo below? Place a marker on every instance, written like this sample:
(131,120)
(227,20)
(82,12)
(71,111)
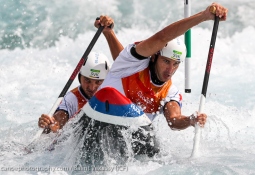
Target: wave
(41,24)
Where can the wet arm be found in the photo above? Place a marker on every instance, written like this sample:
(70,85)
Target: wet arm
(54,123)
(114,44)
(61,117)
(156,42)
(175,120)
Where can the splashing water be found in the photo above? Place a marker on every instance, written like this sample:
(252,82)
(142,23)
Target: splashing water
(41,43)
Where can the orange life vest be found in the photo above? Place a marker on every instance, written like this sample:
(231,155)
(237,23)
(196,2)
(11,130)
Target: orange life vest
(143,93)
(81,100)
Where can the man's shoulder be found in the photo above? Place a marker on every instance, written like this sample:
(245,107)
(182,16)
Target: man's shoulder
(126,64)
(173,90)
(74,90)
(72,94)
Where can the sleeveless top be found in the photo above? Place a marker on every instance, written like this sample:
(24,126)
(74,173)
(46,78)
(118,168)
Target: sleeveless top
(143,92)
(73,101)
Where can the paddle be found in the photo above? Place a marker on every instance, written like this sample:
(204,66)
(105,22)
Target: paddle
(70,81)
(195,152)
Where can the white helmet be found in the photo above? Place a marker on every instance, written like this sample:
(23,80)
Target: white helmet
(96,67)
(175,49)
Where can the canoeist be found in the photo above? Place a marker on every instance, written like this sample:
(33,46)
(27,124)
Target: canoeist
(90,77)
(143,73)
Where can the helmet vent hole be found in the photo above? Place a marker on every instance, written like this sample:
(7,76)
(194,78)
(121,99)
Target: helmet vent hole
(106,66)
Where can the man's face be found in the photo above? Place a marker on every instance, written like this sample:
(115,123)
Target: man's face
(89,85)
(165,68)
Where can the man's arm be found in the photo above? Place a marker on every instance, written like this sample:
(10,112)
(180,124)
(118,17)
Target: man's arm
(156,42)
(113,42)
(61,117)
(54,123)
(175,120)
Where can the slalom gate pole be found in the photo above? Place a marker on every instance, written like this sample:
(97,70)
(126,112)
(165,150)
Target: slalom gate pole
(187,37)
(195,151)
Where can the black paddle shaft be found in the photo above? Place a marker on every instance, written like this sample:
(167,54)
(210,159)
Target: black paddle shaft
(81,62)
(210,55)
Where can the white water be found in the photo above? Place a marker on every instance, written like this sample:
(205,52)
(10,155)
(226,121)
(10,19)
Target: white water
(33,77)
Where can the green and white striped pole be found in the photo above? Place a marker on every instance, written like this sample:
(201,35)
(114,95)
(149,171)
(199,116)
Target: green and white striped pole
(187,36)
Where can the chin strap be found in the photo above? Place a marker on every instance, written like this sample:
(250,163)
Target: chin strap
(154,77)
(83,93)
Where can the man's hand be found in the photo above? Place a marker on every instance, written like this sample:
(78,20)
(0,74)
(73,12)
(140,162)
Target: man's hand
(220,11)
(201,119)
(105,21)
(48,122)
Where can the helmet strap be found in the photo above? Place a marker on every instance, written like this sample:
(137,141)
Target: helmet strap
(154,77)
(79,77)
(83,93)
(81,90)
